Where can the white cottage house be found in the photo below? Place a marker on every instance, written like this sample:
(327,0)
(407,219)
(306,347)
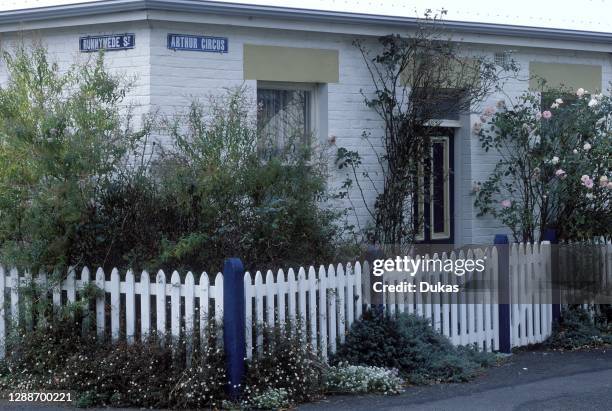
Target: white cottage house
(181,49)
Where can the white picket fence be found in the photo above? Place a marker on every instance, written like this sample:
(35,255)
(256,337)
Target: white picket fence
(530,291)
(167,298)
(326,301)
(465,317)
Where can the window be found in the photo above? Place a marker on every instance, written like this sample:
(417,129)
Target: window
(439,199)
(434,208)
(503,59)
(285,113)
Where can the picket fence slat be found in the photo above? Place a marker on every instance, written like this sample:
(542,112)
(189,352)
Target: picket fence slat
(130,306)
(160,303)
(175,306)
(323,312)
(204,294)
(259,308)
(312,302)
(145,304)
(479,306)
(270,293)
(248,331)
(71,286)
(301,303)
(115,304)
(100,304)
(217,293)
(282,288)
(350,297)
(42,280)
(189,313)
(341,301)
(332,307)
(293,290)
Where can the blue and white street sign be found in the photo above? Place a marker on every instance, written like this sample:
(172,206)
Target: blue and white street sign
(197,43)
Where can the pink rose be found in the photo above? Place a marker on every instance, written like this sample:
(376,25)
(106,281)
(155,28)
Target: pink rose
(546,114)
(506,203)
(488,112)
(587,181)
(561,173)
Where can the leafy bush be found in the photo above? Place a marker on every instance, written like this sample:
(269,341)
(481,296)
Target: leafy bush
(271,399)
(234,194)
(63,138)
(409,344)
(577,329)
(285,364)
(554,168)
(80,185)
(356,379)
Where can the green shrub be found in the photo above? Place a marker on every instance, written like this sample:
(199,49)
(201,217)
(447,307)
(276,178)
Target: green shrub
(56,357)
(271,399)
(63,139)
(409,344)
(35,358)
(358,379)
(285,364)
(81,185)
(234,195)
(577,329)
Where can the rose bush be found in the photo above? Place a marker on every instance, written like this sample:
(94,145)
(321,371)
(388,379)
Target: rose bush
(554,165)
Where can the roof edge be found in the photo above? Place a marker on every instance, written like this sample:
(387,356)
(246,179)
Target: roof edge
(239,9)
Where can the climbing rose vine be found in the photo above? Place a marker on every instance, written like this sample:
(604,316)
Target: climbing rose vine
(554,167)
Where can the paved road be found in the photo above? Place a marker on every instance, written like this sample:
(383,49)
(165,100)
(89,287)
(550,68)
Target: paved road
(527,381)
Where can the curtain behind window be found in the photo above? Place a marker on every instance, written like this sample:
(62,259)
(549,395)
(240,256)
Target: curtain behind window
(284,116)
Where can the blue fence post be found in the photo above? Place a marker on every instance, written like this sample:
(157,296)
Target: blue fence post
(550,234)
(503,291)
(233,324)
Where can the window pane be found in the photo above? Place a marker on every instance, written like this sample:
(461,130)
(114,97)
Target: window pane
(447,103)
(284,116)
(439,177)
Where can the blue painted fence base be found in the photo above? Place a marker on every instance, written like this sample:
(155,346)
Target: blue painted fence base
(233,324)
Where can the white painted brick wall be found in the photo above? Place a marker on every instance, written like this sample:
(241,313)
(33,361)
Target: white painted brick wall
(168,80)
